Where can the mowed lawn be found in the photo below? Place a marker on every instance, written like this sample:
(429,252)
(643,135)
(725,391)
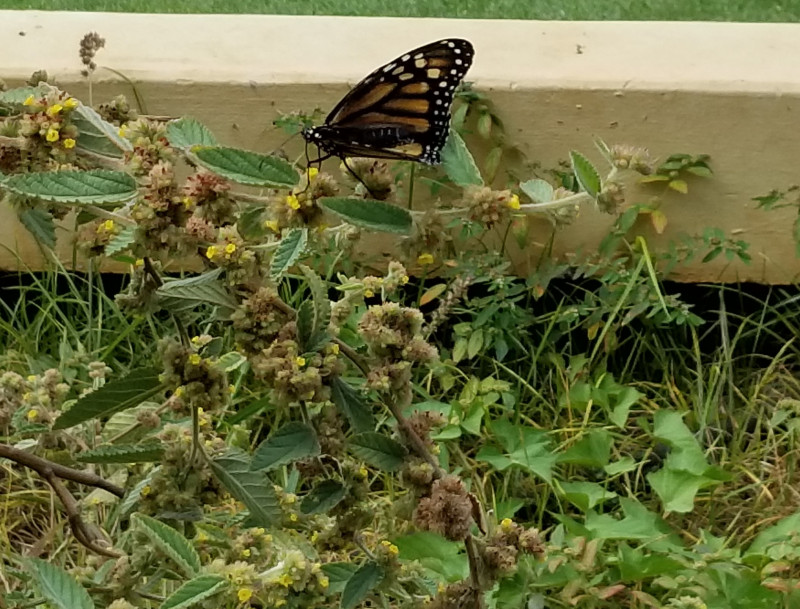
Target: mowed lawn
(670,10)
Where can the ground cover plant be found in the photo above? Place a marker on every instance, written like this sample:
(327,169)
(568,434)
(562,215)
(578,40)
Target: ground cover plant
(295,423)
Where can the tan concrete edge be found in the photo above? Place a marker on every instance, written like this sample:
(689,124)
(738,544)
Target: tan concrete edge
(728,90)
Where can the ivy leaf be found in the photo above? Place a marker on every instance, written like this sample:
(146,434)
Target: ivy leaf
(370,214)
(352,405)
(252,488)
(40,224)
(194,591)
(361,584)
(245,167)
(458,163)
(71,186)
(291,247)
(58,586)
(323,497)
(378,450)
(170,542)
(291,442)
(187,132)
(134,388)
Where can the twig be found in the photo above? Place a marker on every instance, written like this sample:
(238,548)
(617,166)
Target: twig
(53,473)
(474,570)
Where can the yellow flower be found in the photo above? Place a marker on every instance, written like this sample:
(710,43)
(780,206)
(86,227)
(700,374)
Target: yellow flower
(285,580)
(280,602)
(404,280)
(292,202)
(69,143)
(324,582)
(52,135)
(335,348)
(244,594)
(29,101)
(54,110)
(272,225)
(312,173)
(32,414)
(314,536)
(71,103)
(31,378)
(211,251)
(202,536)
(513,202)
(246,552)
(368,293)
(188,202)
(178,392)
(290,498)
(362,471)
(300,361)
(231,389)
(146,491)
(506,524)
(195,359)
(230,248)
(267,538)
(123,131)
(425,259)
(139,262)
(293,517)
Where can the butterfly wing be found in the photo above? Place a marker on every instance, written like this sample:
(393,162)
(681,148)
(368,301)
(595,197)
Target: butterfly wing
(402,109)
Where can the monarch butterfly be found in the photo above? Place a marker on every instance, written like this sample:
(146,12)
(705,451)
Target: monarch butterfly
(401,110)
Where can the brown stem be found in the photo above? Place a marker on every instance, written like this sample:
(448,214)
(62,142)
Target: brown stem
(414,440)
(53,473)
(474,571)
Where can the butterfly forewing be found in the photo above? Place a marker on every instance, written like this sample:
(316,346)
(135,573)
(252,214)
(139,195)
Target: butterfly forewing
(402,109)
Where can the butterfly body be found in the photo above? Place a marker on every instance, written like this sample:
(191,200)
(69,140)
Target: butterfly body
(401,110)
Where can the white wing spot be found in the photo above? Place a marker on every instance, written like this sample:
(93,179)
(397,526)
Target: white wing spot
(389,67)
(457,51)
(452,45)
(406,76)
(398,70)
(421,63)
(405,57)
(434,72)
(454,71)
(443,84)
(419,56)
(459,62)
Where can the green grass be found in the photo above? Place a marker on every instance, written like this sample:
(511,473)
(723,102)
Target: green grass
(672,10)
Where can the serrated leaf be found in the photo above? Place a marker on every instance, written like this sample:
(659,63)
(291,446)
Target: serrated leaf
(338,574)
(169,542)
(361,584)
(40,224)
(458,163)
(585,173)
(245,167)
(147,452)
(291,247)
(319,314)
(231,361)
(17,96)
(200,289)
(370,214)
(132,389)
(187,132)
(378,450)
(432,294)
(58,586)
(352,405)
(253,489)
(71,186)
(323,497)
(97,135)
(121,241)
(194,591)
(132,496)
(539,191)
(291,442)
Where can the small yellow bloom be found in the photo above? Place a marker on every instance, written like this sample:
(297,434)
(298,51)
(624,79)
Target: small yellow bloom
(324,582)
(71,103)
(244,594)
(246,552)
(393,549)
(267,538)
(280,602)
(69,143)
(146,491)
(188,202)
(312,173)
(404,280)
(178,392)
(211,251)
(335,348)
(300,361)
(123,131)
(314,536)
(230,248)
(272,225)
(54,110)
(425,259)
(293,202)
(52,135)
(139,262)
(195,359)
(362,471)
(31,378)
(201,536)
(231,389)
(32,414)
(108,225)
(368,293)
(513,202)
(506,524)
(285,580)
(29,101)
(293,517)
(290,498)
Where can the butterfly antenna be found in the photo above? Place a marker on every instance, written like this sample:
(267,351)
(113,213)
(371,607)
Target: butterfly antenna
(284,142)
(357,177)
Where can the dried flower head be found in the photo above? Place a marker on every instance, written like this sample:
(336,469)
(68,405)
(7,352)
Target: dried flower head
(90,44)
(448,510)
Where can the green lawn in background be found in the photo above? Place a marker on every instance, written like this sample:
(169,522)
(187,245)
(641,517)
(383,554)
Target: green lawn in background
(681,10)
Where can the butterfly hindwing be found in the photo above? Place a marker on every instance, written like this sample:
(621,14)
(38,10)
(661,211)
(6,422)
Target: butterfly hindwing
(402,109)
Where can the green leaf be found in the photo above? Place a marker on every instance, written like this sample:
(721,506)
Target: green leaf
(361,584)
(624,401)
(626,464)
(233,360)
(195,591)
(136,387)
(17,96)
(539,191)
(669,427)
(58,586)
(458,163)
(197,290)
(585,173)
(252,488)
(445,558)
(586,495)
(72,186)
(475,343)
(97,135)
(169,542)
(245,167)
(592,450)
(40,224)
(123,453)
(132,497)
(291,442)
(187,132)
(638,523)
(313,327)
(338,574)
(323,497)
(378,450)
(779,534)
(352,405)
(291,247)
(676,488)
(370,214)
(121,241)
